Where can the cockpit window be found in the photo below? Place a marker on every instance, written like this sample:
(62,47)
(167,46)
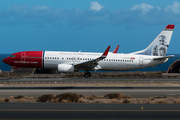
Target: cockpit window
(12,56)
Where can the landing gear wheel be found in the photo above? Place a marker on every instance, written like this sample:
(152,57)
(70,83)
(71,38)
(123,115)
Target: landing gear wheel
(19,72)
(87,74)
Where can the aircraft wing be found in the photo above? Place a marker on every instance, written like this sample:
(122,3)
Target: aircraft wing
(91,64)
(163,57)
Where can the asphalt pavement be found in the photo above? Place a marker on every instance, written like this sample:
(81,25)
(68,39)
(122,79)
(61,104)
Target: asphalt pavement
(88,111)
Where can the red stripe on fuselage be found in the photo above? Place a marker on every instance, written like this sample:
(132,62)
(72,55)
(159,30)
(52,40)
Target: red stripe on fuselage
(27,59)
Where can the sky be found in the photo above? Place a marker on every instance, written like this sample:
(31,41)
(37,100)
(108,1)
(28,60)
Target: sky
(86,25)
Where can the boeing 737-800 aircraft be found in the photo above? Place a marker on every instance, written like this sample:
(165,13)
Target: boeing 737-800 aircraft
(69,62)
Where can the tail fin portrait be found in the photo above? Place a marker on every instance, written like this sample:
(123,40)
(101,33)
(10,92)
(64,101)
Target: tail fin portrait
(160,44)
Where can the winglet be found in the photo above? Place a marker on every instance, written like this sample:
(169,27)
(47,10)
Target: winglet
(170,26)
(106,52)
(116,49)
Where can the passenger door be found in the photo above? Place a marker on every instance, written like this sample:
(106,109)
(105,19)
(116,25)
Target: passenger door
(141,61)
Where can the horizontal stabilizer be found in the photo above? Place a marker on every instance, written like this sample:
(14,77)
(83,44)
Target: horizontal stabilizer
(163,57)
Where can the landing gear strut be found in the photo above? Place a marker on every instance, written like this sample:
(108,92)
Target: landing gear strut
(87,74)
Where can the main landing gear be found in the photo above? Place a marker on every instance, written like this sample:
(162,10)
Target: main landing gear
(87,74)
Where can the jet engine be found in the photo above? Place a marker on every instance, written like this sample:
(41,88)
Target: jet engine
(65,68)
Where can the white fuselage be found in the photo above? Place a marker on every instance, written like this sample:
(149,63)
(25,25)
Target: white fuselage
(113,62)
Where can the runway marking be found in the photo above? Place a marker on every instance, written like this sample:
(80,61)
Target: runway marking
(48,110)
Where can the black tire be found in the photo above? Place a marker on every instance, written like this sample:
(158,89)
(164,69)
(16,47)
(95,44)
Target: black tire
(86,75)
(89,74)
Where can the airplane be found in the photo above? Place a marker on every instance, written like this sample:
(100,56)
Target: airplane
(70,62)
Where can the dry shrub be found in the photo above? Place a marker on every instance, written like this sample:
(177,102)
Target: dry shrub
(71,97)
(31,98)
(82,96)
(176,101)
(112,95)
(21,100)
(2,99)
(26,97)
(125,96)
(64,101)
(116,95)
(6,100)
(158,97)
(152,99)
(97,101)
(11,97)
(114,101)
(126,101)
(19,97)
(45,98)
(92,97)
(81,100)
(160,101)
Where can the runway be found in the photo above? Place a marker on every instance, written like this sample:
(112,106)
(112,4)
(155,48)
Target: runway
(88,111)
(133,91)
(81,111)
(134,87)
(89,79)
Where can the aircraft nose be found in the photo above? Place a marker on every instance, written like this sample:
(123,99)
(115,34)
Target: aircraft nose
(6,60)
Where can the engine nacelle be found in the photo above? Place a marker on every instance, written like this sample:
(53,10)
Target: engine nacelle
(65,68)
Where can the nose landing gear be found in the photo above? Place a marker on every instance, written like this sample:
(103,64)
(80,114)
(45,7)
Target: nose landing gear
(87,74)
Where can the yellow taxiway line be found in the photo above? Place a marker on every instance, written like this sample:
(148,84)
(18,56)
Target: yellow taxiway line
(65,110)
